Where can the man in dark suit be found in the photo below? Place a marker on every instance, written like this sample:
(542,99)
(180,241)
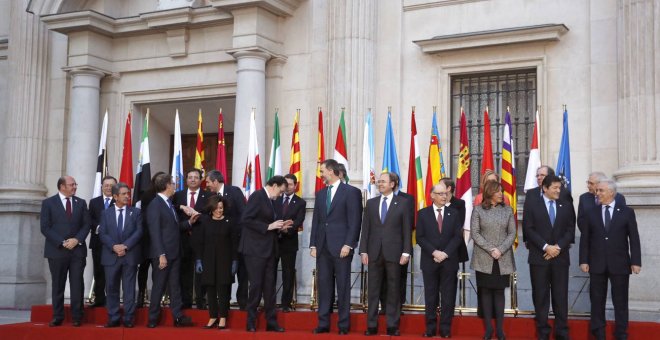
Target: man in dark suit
(215,183)
(96,207)
(549,226)
(458,205)
(610,250)
(334,235)
(290,208)
(165,251)
(588,200)
(439,235)
(259,247)
(385,245)
(120,232)
(195,198)
(65,224)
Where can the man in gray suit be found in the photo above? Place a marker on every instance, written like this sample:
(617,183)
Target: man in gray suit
(385,245)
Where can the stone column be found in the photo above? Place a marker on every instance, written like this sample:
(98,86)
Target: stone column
(22,173)
(638,175)
(250,93)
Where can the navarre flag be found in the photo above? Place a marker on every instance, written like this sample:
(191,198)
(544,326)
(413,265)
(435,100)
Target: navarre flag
(143,173)
(368,169)
(564,159)
(101,165)
(390,159)
(320,154)
(295,167)
(487,162)
(200,162)
(126,170)
(435,169)
(252,174)
(177,156)
(534,161)
(415,181)
(221,155)
(341,151)
(463,177)
(275,160)
(509,170)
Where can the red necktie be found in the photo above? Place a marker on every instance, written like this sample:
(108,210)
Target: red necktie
(192,199)
(439,220)
(69,212)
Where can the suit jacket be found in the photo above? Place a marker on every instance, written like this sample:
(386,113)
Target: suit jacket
(56,226)
(288,240)
(130,237)
(340,225)
(234,195)
(96,207)
(256,239)
(612,251)
(431,239)
(539,231)
(588,202)
(534,195)
(459,205)
(181,198)
(391,238)
(164,230)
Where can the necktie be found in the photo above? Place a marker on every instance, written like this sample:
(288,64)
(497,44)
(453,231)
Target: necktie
(608,218)
(328,199)
(107,203)
(551,211)
(285,205)
(120,222)
(169,204)
(439,220)
(597,201)
(192,199)
(383,210)
(69,212)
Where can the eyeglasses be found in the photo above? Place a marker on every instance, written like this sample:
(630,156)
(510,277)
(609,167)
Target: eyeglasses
(440,193)
(74,184)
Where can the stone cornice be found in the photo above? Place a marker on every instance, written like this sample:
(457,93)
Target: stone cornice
(506,36)
(4,48)
(87,70)
(283,8)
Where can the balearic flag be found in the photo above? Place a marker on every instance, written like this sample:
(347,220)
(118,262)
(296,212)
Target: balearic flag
(275,160)
(368,170)
(487,162)
(177,156)
(101,165)
(320,154)
(463,177)
(390,159)
(534,157)
(143,173)
(509,170)
(295,167)
(435,169)
(200,162)
(341,151)
(126,170)
(564,159)
(252,174)
(221,155)
(415,179)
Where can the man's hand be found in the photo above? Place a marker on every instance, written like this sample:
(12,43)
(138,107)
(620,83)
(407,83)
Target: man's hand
(552,251)
(162,262)
(495,253)
(70,243)
(584,267)
(404,260)
(276,225)
(344,251)
(194,217)
(439,256)
(636,269)
(312,252)
(365,259)
(188,210)
(119,249)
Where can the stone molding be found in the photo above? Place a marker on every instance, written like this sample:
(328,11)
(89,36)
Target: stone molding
(414,5)
(282,8)
(4,48)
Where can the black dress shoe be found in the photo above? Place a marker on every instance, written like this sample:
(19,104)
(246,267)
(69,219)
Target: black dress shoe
(55,323)
(371,331)
(275,328)
(112,324)
(76,323)
(320,330)
(183,321)
(343,331)
(128,324)
(428,335)
(393,331)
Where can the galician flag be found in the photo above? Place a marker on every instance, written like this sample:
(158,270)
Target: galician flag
(320,154)
(368,169)
(126,171)
(341,151)
(143,173)
(101,164)
(435,169)
(177,156)
(295,167)
(252,174)
(275,160)
(509,170)
(415,181)
(564,159)
(390,159)
(463,177)
(534,156)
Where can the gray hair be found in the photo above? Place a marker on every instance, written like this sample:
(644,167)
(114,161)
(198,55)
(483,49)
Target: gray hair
(599,175)
(118,186)
(215,175)
(611,184)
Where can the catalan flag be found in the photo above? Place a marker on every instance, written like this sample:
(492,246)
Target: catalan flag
(295,167)
(200,163)
(320,154)
(435,169)
(509,170)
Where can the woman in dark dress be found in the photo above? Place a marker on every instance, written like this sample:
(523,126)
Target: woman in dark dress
(493,231)
(216,253)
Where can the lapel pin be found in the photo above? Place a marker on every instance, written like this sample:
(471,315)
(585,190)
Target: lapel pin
(448,213)
(617,209)
(395,203)
(560,205)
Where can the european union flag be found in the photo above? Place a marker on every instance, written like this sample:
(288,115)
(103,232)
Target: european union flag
(564,160)
(390,159)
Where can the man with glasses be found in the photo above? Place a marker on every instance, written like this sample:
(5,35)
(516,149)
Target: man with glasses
(96,207)
(589,200)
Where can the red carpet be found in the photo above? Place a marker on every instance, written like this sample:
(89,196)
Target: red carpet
(298,325)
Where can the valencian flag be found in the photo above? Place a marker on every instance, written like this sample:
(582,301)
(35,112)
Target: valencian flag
(487,162)
(177,156)
(200,162)
(534,157)
(275,160)
(390,159)
(509,170)
(564,159)
(221,156)
(143,173)
(341,152)
(126,170)
(295,167)
(435,169)
(101,165)
(368,169)
(463,178)
(320,154)
(415,181)
(252,174)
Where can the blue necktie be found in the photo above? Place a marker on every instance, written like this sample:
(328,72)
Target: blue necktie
(107,203)
(608,218)
(328,200)
(173,211)
(120,222)
(383,210)
(551,211)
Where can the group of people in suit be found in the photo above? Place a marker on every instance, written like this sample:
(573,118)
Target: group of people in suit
(227,236)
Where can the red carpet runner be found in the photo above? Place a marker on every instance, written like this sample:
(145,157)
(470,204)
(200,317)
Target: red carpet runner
(298,325)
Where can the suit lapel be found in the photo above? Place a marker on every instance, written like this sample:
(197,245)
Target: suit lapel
(338,195)
(392,208)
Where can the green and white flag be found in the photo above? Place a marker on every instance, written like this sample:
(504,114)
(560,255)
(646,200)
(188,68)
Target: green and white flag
(275,160)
